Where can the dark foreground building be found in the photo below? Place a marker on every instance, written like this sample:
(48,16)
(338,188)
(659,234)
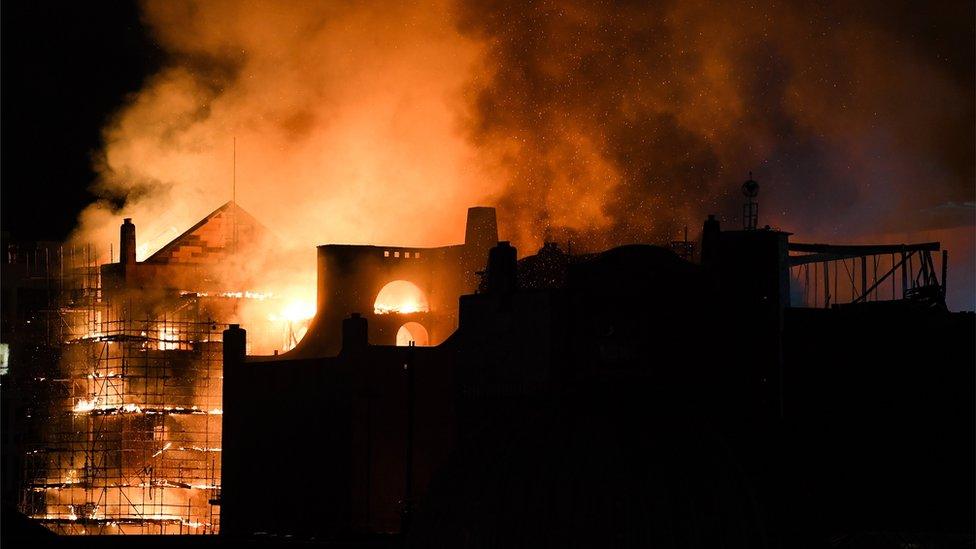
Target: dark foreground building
(625,398)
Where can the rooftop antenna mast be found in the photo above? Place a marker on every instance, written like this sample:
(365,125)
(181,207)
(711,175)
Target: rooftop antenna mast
(233,198)
(750,210)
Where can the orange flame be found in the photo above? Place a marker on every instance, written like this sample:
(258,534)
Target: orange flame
(402,297)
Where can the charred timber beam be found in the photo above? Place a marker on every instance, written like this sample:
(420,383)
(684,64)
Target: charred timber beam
(945,268)
(864,276)
(821,253)
(799,260)
(859,250)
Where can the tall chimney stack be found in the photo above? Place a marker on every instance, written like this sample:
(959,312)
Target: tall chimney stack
(502,269)
(127,246)
(234,443)
(481,229)
(709,241)
(355,333)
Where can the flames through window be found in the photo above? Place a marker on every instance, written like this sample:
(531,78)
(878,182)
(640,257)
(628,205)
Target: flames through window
(400,296)
(412,332)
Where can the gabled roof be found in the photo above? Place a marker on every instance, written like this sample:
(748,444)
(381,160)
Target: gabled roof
(224,232)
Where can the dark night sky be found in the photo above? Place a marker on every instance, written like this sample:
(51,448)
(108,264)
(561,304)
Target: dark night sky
(66,66)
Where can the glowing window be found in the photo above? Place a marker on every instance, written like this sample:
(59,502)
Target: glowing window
(168,339)
(396,254)
(417,255)
(412,332)
(400,296)
(406,254)
(386,253)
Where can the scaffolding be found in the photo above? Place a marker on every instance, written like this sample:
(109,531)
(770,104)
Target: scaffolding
(832,275)
(125,437)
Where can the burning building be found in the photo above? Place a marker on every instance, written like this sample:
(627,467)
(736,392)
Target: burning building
(121,397)
(124,406)
(464,396)
(626,395)
(409,295)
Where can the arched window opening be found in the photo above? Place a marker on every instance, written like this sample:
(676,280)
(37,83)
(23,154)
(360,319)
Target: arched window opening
(412,332)
(400,296)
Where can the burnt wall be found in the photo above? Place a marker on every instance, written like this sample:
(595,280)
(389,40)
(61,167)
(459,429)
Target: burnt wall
(350,277)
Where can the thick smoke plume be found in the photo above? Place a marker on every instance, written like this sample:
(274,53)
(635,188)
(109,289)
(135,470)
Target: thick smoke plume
(343,117)
(625,121)
(600,123)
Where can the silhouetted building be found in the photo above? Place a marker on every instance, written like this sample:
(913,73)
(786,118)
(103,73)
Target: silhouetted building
(623,397)
(410,293)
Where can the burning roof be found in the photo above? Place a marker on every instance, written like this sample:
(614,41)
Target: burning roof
(224,231)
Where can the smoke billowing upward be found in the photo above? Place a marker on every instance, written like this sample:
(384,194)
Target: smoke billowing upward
(623,121)
(342,114)
(598,122)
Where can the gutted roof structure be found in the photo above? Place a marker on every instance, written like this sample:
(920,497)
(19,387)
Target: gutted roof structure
(223,232)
